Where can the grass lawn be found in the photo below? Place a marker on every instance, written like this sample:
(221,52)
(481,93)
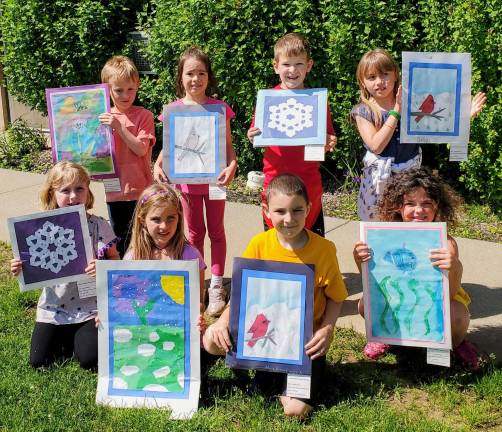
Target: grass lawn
(399,392)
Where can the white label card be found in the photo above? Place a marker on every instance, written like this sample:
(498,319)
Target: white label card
(112,185)
(298,386)
(438,356)
(314,153)
(458,152)
(87,288)
(217,192)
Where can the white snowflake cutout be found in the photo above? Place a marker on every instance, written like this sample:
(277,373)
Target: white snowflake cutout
(62,240)
(290,117)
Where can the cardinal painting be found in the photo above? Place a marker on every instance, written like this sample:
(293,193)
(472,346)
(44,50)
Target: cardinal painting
(427,107)
(258,329)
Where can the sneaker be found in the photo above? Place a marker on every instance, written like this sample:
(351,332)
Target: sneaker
(468,355)
(217,300)
(375,350)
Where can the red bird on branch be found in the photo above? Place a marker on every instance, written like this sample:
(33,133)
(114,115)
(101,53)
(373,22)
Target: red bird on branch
(258,329)
(427,107)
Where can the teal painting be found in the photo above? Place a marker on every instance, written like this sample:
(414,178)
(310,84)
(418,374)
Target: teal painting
(406,298)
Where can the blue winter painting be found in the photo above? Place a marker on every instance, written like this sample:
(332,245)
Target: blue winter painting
(291,117)
(149,333)
(406,298)
(271,319)
(434,98)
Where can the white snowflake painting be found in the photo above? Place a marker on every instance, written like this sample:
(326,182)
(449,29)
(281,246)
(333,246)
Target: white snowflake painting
(291,117)
(53,246)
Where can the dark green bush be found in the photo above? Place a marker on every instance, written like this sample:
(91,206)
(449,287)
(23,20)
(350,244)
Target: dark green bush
(20,146)
(66,42)
(60,43)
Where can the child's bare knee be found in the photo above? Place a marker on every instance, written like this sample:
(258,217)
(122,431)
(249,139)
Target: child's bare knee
(295,407)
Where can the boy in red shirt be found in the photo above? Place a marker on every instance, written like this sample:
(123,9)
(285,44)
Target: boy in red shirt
(292,62)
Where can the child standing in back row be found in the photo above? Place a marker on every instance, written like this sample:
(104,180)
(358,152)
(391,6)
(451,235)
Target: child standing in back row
(195,83)
(292,62)
(377,118)
(134,135)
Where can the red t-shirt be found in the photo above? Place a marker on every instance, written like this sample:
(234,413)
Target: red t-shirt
(291,159)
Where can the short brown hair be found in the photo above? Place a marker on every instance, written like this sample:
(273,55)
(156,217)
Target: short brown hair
(64,172)
(198,54)
(119,67)
(287,184)
(292,45)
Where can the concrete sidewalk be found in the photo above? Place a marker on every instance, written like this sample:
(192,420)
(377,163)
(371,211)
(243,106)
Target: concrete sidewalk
(482,261)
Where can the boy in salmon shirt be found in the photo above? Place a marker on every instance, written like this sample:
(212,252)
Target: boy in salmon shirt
(134,135)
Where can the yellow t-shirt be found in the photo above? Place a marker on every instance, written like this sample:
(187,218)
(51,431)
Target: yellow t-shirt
(328,281)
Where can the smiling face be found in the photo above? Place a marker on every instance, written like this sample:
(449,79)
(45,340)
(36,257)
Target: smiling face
(380,84)
(123,92)
(288,214)
(161,224)
(418,207)
(292,70)
(195,80)
(71,194)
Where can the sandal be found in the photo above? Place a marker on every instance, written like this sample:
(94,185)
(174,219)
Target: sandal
(468,355)
(375,350)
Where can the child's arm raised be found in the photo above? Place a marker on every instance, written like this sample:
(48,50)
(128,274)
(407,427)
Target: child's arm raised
(477,104)
(318,346)
(447,259)
(377,139)
(138,146)
(227,175)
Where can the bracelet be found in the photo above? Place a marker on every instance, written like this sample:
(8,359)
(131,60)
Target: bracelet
(389,126)
(395,114)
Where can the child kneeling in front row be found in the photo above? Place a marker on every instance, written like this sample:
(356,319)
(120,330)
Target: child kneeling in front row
(418,196)
(287,205)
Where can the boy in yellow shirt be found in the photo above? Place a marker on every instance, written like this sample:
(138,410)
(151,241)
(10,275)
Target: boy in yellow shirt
(287,206)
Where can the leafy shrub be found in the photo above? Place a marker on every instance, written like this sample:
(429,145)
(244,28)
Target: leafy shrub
(66,42)
(60,43)
(20,146)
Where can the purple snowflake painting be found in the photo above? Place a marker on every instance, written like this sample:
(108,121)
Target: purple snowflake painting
(53,246)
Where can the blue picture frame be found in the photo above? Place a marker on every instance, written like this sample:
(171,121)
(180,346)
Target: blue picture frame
(436,98)
(291,117)
(194,143)
(451,82)
(271,316)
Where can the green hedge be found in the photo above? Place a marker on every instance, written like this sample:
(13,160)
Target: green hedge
(60,42)
(239,37)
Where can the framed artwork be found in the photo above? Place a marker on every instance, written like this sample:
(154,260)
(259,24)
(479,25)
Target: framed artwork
(291,117)
(194,138)
(406,299)
(436,98)
(271,315)
(76,133)
(148,341)
(54,246)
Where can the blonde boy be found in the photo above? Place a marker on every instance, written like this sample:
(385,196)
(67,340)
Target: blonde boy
(134,134)
(287,205)
(292,62)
